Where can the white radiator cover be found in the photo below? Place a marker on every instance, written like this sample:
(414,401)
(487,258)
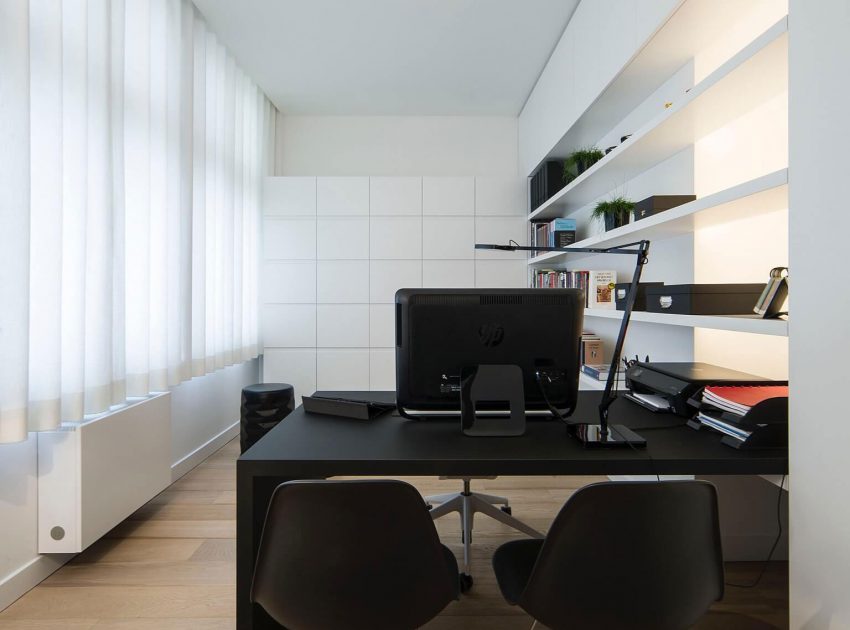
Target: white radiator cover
(93,475)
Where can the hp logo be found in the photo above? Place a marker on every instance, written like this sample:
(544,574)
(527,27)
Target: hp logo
(491,335)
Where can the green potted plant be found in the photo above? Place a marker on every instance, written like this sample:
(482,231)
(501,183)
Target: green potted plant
(579,161)
(614,213)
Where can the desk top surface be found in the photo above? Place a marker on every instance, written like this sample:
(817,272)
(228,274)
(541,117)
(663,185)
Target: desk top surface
(307,445)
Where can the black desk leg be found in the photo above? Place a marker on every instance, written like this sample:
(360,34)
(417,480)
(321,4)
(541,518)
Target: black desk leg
(252,499)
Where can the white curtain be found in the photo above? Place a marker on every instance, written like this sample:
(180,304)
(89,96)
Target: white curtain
(132,149)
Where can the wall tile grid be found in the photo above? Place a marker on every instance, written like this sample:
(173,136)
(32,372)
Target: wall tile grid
(336,249)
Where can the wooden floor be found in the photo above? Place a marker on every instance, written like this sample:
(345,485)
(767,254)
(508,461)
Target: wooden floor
(172,564)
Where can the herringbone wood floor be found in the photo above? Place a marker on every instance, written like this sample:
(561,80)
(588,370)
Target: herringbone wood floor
(171,564)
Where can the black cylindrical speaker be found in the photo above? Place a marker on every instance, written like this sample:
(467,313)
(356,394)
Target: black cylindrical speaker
(263,406)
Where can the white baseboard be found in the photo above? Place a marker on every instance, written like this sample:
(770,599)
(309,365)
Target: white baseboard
(29,576)
(194,458)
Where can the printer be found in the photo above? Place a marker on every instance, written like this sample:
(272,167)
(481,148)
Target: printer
(667,387)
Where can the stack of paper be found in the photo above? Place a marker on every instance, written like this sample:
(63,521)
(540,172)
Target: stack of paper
(732,403)
(724,427)
(739,399)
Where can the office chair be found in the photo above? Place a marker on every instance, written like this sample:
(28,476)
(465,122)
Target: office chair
(632,555)
(467,503)
(351,554)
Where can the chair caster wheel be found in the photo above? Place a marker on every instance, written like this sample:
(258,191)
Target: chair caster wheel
(507,510)
(465,582)
(429,507)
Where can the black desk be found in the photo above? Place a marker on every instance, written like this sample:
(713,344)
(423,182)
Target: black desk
(306,446)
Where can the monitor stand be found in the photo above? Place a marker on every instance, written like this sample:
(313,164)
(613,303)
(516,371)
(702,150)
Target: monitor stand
(497,385)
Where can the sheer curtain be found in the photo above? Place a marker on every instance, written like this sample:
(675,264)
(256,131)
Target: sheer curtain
(132,149)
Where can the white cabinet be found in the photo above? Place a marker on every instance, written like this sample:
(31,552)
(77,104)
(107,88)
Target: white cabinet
(289,238)
(342,369)
(448,195)
(395,195)
(395,238)
(343,238)
(448,238)
(289,325)
(496,196)
(289,196)
(342,325)
(342,195)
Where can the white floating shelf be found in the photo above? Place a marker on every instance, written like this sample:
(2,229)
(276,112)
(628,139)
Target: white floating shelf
(585,382)
(589,383)
(691,29)
(751,77)
(737,323)
(762,195)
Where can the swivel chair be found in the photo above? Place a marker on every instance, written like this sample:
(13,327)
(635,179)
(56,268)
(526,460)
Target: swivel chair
(351,554)
(467,503)
(626,555)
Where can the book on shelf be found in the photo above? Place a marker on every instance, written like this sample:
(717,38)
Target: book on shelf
(592,350)
(558,279)
(599,286)
(600,372)
(555,233)
(601,290)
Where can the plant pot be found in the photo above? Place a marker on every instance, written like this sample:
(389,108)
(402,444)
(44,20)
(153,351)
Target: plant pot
(615,220)
(583,164)
(575,166)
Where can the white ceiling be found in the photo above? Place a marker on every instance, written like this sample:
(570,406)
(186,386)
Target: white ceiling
(386,57)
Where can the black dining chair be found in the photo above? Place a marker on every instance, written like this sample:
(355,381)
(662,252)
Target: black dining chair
(624,555)
(351,554)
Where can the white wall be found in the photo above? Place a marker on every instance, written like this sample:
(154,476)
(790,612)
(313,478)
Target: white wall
(21,567)
(598,41)
(820,335)
(396,145)
(203,413)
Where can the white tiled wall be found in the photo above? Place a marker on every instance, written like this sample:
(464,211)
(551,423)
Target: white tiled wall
(336,249)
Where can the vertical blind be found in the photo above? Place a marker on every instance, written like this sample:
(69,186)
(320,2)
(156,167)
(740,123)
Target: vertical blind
(132,149)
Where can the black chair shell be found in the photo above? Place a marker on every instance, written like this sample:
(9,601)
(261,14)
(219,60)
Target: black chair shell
(351,554)
(621,555)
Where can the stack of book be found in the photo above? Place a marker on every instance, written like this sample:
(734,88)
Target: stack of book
(599,286)
(554,233)
(723,408)
(592,350)
(555,279)
(593,363)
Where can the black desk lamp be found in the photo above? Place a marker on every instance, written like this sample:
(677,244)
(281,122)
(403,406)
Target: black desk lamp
(603,435)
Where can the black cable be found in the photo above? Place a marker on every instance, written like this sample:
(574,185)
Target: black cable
(552,409)
(625,439)
(775,542)
(634,448)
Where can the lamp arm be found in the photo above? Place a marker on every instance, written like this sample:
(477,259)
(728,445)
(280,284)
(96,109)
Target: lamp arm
(609,395)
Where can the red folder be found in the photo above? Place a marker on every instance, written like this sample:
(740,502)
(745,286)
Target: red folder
(746,396)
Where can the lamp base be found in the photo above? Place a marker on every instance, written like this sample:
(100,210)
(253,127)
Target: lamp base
(617,436)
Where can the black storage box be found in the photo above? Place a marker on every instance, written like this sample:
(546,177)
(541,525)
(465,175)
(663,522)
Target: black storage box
(659,203)
(622,290)
(545,182)
(703,299)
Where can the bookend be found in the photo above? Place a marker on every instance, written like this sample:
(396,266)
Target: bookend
(768,421)
(485,392)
